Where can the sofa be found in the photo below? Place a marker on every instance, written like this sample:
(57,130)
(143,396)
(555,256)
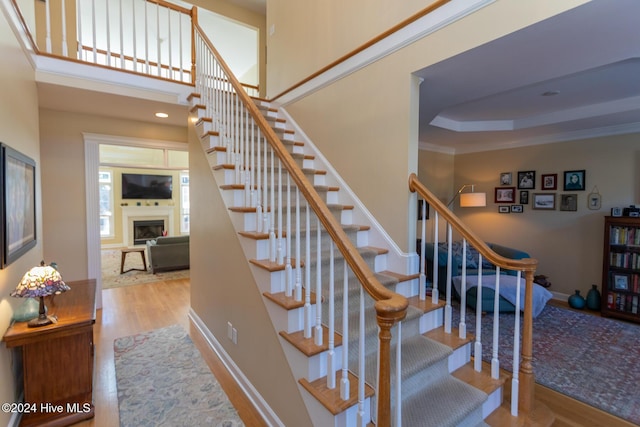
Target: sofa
(488,295)
(168,253)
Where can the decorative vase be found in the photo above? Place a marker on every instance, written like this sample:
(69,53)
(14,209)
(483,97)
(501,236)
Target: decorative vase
(577,301)
(593,298)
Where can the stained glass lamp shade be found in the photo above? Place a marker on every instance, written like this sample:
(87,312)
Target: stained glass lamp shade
(40,282)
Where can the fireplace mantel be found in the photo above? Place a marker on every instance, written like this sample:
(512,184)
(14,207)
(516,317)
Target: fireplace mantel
(130,213)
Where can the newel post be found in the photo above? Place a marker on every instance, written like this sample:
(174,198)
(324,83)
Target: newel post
(527,379)
(386,320)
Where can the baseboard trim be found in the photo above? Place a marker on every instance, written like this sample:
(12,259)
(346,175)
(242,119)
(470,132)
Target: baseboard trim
(258,402)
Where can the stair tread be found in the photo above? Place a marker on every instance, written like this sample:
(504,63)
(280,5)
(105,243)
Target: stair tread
(330,398)
(307,345)
(481,380)
(450,340)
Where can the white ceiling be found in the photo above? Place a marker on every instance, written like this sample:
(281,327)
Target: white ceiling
(492,96)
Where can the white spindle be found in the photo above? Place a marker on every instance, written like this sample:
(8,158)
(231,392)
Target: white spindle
(344,380)
(135,37)
(170,43)
(180,50)
(146,37)
(477,350)
(265,192)
(495,363)
(122,58)
(298,286)
(108,31)
(462,326)
(288,272)
(331,354)
(515,382)
(307,272)
(423,243)
(318,329)
(361,365)
(434,269)
(158,41)
(79,19)
(47,13)
(259,187)
(272,222)
(447,307)
(65,51)
(281,248)
(94,30)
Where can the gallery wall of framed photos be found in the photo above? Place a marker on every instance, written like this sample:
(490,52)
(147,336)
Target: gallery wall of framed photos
(544,191)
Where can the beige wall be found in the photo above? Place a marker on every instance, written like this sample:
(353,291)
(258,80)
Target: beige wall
(363,123)
(568,245)
(62,150)
(224,290)
(19,130)
(247,17)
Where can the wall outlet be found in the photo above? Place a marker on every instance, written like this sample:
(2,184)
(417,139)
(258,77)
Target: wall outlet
(230,331)
(234,336)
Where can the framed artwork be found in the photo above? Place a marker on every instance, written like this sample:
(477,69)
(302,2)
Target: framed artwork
(544,201)
(594,200)
(505,195)
(569,202)
(503,209)
(621,282)
(423,205)
(517,208)
(18,204)
(524,197)
(549,181)
(505,178)
(617,211)
(527,180)
(574,180)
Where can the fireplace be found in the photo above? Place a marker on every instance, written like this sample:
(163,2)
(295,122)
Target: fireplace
(147,230)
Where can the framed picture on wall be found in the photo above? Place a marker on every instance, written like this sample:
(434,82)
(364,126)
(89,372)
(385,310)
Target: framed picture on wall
(505,195)
(544,201)
(549,181)
(524,197)
(18,209)
(505,178)
(569,202)
(527,180)
(574,180)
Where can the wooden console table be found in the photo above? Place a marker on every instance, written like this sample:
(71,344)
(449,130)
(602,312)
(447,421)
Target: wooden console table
(58,359)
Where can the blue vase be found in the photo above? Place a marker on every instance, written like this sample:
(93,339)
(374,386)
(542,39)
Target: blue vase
(593,298)
(577,301)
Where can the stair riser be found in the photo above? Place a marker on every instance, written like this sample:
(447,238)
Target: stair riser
(239,196)
(321,417)
(312,367)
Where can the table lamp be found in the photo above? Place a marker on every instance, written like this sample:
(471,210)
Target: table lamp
(40,281)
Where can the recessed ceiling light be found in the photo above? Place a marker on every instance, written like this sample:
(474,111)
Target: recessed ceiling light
(551,93)
(162,115)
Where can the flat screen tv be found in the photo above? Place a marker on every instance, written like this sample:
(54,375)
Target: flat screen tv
(146,186)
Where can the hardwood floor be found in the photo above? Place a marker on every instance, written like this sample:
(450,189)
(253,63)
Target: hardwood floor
(140,308)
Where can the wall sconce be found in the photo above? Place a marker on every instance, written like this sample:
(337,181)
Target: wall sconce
(469,200)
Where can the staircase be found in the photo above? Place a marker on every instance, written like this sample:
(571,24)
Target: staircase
(439,387)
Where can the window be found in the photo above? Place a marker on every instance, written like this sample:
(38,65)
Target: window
(105,183)
(184,202)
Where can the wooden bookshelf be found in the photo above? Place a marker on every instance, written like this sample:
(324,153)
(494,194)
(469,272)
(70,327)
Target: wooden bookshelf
(621,268)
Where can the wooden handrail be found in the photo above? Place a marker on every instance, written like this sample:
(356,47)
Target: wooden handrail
(390,307)
(527,265)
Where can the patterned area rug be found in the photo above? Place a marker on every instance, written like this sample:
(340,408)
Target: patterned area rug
(163,381)
(111,277)
(589,358)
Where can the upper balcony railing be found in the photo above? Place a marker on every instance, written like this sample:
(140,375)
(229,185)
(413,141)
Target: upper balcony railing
(150,37)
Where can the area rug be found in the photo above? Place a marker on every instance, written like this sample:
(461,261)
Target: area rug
(162,380)
(592,359)
(111,277)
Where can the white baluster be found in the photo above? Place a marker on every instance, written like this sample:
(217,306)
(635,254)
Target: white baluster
(307,272)
(169,42)
(447,307)
(288,269)
(423,267)
(331,354)
(515,381)
(344,381)
(280,249)
(47,13)
(272,222)
(259,189)
(95,30)
(65,51)
(361,365)
(135,37)
(79,20)
(398,375)
(108,20)
(462,327)
(122,60)
(318,329)
(146,37)
(158,41)
(495,363)
(477,350)
(298,286)
(434,288)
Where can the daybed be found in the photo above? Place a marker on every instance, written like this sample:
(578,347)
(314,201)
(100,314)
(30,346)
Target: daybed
(506,301)
(168,253)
